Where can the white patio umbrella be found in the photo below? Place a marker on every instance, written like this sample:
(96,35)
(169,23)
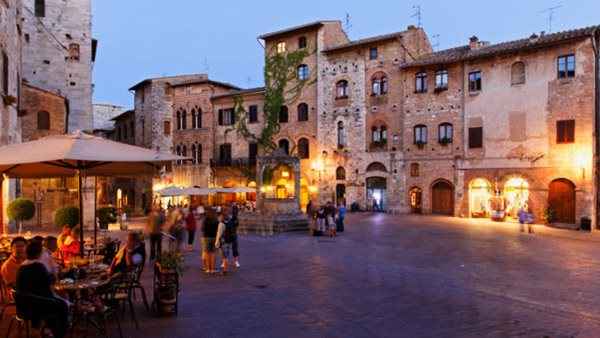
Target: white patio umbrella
(237,189)
(172,190)
(78,154)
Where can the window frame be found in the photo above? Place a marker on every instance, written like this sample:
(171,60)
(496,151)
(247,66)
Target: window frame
(421,82)
(342,89)
(302,110)
(565,131)
(445,128)
(303,72)
(517,78)
(166,127)
(373,53)
(566,62)
(284,112)
(441,79)
(253,113)
(303,149)
(40,8)
(414,169)
(475,84)
(302,42)
(475,131)
(420,134)
(280,47)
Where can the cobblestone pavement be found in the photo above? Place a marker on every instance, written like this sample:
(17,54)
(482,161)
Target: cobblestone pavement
(391,275)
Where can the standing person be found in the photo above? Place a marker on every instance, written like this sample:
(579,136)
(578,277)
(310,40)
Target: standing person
(341,215)
(370,203)
(330,217)
(33,278)
(321,218)
(209,234)
(177,228)
(224,240)
(191,224)
(234,242)
(8,272)
(154,225)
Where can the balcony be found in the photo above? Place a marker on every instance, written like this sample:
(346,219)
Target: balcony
(233,162)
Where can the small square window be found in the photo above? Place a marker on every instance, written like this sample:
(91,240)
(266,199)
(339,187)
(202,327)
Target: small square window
(475,81)
(565,131)
(373,54)
(302,42)
(566,66)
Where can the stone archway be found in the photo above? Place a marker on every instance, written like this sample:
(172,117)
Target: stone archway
(561,199)
(416,200)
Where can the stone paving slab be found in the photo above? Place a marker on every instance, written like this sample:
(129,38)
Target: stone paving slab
(393,276)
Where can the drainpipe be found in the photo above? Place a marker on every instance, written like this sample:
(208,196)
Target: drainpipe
(596,125)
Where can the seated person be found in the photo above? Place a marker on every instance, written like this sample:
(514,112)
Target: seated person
(49,247)
(132,253)
(66,231)
(33,278)
(8,272)
(71,245)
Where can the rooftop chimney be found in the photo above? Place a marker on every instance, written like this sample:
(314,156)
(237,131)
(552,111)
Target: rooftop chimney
(474,42)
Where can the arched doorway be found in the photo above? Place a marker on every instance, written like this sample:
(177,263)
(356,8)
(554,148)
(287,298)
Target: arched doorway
(303,193)
(561,199)
(340,193)
(416,200)
(376,188)
(516,193)
(480,195)
(282,191)
(442,198)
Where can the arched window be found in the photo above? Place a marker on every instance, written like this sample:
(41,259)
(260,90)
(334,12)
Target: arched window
(420,134)
(199,154)
(445,133)
(302,72)
(517,73)
(375,133)
(383,132)
(193,118)
(340,134)
(340,173)
(194,155)
(302,112)
(166,127)
(303,148)
(184,151)
(184,120)
(375,86)
(414,169)
(199,118)
(441,79)
(376,166)
(341,89)
(384,86)
(179,120)
(283,114)
(285,145)
(43,120)
(178,152)
(421,82)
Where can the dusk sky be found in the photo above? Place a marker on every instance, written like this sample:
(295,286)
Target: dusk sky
(141,39)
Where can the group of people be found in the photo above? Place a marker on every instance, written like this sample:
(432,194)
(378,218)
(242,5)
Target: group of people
(31,269)
(218,227)
(329,219)
(68,242)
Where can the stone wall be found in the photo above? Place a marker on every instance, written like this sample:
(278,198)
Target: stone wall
(103,113)
(58,49)
(37,101)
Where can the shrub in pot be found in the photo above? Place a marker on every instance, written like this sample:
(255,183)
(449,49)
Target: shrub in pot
(66,215)
(106,215)
(20,209)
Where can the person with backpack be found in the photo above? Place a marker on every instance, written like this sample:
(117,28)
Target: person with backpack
(225,236)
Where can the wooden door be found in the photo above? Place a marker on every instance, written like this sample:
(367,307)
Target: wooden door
(561,199)
(442,199)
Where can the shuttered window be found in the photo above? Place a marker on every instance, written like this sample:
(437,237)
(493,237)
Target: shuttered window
(565,131)
(476,137)
(253,114)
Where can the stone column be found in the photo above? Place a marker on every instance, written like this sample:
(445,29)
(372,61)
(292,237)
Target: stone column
(297,183)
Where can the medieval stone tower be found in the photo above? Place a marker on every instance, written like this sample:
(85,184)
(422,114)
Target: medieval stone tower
(59,52)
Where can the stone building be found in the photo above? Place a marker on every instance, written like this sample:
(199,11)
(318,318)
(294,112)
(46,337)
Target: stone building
(523,122)
(103,115)
(43,113)
(465,131)
(59,53)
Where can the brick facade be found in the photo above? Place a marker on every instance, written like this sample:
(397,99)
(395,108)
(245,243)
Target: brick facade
(38,107)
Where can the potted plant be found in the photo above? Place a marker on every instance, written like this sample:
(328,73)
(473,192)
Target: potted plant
(106,215)
(445,141)
(168,299)
(168,267)
(66,215)
(170,263)
(437,90)
(420,144)
(20,209)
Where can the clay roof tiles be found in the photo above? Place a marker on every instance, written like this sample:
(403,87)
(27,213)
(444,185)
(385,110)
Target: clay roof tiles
(240,92)
(315,24)
(366,41)
(463,53)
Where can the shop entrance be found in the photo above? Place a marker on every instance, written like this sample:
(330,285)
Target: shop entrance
(480,195)
(442,198)
(561,199)
(416,198)
(376,188)
(516,193)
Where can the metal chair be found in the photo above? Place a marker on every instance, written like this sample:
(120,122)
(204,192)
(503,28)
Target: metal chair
(32,308)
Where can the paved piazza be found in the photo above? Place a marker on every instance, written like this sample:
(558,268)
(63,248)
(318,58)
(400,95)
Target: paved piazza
(392,275)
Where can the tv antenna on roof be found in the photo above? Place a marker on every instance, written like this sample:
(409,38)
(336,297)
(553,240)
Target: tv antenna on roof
(550,12)
(206,65)
(417,14)
(249,79)
(347,24)
(436,45)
